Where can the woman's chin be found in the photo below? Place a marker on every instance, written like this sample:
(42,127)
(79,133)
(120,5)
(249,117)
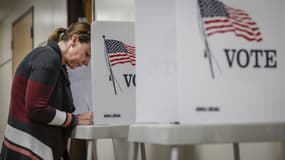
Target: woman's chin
(71,66)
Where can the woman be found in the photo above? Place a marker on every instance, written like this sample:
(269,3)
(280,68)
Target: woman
(40,118)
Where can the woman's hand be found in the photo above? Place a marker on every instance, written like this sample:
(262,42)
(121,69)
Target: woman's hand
(85,118)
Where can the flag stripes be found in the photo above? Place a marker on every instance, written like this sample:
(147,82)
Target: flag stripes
(120,53)
(219,18)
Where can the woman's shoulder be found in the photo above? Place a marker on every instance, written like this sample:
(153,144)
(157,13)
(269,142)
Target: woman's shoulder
(45,55)
(47,52)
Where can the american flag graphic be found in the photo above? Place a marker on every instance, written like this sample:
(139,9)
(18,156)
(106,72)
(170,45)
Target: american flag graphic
(120,53)
(220,18)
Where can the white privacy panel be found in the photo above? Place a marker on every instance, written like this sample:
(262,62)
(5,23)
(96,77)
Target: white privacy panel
(156,61)
(113,72)
(80,79)
(240,79)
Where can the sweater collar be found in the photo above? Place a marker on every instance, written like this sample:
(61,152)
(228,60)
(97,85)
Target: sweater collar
(55,47)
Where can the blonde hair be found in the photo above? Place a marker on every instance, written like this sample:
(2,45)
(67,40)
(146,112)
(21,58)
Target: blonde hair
(82,29)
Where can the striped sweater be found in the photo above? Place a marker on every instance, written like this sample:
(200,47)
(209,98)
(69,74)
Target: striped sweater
(40,116)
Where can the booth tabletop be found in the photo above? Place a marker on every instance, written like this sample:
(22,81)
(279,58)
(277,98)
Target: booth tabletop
(100,131)
(187,134)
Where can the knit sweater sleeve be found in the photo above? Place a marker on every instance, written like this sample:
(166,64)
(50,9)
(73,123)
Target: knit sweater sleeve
(45,70)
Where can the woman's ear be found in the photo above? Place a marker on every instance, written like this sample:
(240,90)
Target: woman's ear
(74,39)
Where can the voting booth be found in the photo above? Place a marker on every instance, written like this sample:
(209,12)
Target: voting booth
(198,62)
(211,61)
(214,66)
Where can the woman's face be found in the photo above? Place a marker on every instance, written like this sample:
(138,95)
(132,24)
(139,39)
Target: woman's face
(79,54)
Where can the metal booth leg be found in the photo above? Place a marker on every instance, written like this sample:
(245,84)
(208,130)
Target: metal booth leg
(95,154)
(120,147)
(91,149)
(236,151)
(174,153)
(142,146)
(133,152)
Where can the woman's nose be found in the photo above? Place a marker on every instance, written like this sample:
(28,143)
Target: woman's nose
(86,61)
